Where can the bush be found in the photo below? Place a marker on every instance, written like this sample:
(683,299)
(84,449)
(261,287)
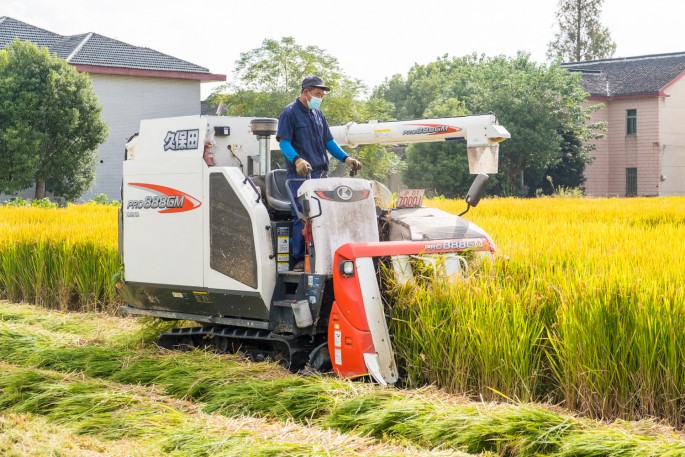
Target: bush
(37,203)
(103,199)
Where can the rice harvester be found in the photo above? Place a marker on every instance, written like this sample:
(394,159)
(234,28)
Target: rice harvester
(208,241)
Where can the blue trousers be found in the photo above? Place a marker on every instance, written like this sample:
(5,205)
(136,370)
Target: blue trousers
(297,241)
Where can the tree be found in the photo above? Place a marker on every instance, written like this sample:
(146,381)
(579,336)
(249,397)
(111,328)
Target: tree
(395,92)
(534,102)
(268,78)
(440,168)
(567,173)
(581,36)
(50,123)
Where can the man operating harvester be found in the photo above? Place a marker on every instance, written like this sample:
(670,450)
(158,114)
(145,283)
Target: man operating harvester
(304,138)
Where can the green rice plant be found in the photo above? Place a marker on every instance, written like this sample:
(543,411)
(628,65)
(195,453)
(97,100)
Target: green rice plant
(92,407)
(64,268)
(660,376)
(19,271)
(472,339)
(621,355)
(58,275)
(92,277)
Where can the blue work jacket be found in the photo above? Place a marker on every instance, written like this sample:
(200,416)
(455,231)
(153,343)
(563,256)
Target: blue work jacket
(308,132)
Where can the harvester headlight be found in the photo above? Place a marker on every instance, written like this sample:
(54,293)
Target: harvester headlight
(347,268)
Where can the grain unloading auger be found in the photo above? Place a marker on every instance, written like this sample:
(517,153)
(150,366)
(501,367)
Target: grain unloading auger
(211,243)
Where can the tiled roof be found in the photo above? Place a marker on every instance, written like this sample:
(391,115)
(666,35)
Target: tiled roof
(629,76)
(95,50)
(66,45)
(11,29)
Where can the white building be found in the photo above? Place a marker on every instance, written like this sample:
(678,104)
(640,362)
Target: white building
(131,82)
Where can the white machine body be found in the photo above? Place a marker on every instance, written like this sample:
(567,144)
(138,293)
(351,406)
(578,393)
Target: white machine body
(341,210)
(167,212)
(482,135)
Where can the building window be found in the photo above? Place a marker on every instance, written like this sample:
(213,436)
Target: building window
(631,182)
(631,121)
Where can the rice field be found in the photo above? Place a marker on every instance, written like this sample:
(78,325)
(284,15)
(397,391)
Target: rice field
(583,307)
(61,258)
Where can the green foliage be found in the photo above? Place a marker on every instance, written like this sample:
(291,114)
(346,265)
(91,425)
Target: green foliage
(103,199)
(567,173)
(440,168)
(533,101)
(379,163)
(560,191)
(395,92)
(36,203)
(50,123)
(280,66)
(581,36)
(268,78)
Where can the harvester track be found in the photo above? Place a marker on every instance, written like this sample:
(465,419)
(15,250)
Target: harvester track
(291,352)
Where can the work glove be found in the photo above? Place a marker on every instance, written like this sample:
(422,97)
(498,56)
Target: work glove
(302,167)
(353,163)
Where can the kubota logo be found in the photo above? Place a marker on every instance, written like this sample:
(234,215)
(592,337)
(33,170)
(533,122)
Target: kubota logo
(343,192)
(166,199)
(431,129)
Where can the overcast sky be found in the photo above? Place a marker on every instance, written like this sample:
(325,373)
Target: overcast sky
(372,39)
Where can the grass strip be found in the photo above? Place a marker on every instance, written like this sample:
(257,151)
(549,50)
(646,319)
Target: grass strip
(24,435)
(424,418)
(156,425)
(89,326)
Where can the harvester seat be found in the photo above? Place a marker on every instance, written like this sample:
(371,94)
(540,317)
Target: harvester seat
(276,190)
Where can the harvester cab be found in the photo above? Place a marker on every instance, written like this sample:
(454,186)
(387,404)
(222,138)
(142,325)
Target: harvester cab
(205,229)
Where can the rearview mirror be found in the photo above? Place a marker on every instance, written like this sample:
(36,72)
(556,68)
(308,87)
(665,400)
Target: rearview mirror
(476,192)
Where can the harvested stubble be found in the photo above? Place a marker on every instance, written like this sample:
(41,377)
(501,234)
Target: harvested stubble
(424,418)
(142,422)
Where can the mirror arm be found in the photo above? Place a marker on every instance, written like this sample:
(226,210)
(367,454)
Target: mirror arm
(468,206)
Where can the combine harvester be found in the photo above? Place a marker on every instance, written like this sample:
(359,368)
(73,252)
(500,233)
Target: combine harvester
(211,243)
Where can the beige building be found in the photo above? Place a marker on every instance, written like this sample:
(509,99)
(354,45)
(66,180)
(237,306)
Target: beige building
(643,104)
(131,82)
